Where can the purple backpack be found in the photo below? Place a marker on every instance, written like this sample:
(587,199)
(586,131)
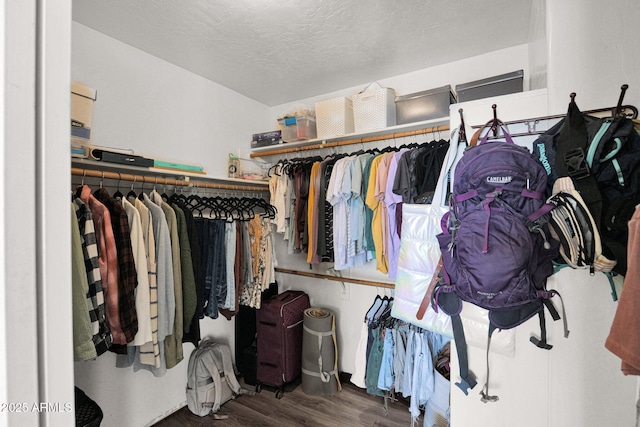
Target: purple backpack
(496,249)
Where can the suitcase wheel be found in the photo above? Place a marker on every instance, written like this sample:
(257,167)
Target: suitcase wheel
(258,388)
(279,393)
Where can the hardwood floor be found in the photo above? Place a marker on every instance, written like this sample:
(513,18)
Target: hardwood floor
(350,407)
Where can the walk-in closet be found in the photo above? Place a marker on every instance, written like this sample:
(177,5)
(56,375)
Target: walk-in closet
(185,99)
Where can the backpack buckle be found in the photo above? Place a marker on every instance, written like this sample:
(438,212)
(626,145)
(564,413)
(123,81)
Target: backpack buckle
(577,166)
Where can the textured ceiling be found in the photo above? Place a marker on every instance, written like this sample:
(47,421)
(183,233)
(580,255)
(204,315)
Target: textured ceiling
(277,51)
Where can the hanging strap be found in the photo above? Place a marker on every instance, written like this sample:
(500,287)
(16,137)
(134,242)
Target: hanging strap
(614,293)
(542,342)
(572,159)
(426,300)
(324,376)
(215,375)
(485,396)
(227,369)
(467,379)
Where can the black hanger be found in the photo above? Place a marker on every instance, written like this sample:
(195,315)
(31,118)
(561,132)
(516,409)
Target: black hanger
(118,195)
(369,315)
(274,168)
(132,193)
(382,308)
(141,195)
(178,198)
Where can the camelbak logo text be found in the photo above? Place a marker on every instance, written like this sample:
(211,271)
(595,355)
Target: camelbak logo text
(489,295)
(499,179)
(543,158)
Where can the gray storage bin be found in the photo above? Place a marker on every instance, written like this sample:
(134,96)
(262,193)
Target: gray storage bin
(426,105)
(492,86)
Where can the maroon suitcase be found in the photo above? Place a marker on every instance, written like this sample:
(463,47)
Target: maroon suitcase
(279,339)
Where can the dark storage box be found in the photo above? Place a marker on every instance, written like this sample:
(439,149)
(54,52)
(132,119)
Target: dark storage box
(492,86)
(124,159)
(266,138)
(426,105)
(265,143)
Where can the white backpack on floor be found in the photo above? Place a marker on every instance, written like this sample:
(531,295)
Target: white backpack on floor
(211,379)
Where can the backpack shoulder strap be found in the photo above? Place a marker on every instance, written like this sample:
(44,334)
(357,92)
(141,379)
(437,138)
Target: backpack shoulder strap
(227,368)
(450,303)
(467,379)
(215,375)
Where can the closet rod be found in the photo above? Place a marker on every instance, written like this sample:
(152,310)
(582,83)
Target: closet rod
(633,114)
(336,278)
(434,129)
(164,181)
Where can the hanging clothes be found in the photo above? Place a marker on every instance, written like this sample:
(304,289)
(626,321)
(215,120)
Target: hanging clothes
(400,358)
(229,307)
(143,305)
(623,339)
(230,252)
(407,175)
(191,324)
(95,296)
(356,248)
(313,214)
(83,348)
(127,276)
(173,342)
(391,200)
(189,296)
(148,353)
(216,277)
(373,201)
(164,275)
(368,212)
(107,261)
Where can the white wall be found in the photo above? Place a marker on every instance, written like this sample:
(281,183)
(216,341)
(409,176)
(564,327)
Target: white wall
(161,111)
(592,51)
(454,73)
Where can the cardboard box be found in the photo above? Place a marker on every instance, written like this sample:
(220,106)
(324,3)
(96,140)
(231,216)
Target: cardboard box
(82,99)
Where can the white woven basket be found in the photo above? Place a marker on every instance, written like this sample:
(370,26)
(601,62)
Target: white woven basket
(374,108)
(334,117)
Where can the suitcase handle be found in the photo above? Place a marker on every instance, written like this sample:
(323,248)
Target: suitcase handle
(267,323)
(273,365)
(288,295)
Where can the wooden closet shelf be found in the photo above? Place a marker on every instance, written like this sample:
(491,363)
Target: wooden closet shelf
(153,177)
(374,136)
(336,278)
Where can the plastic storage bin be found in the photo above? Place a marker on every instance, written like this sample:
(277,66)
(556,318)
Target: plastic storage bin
(374,108)
(334,117)
(426,105)
(297,128)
